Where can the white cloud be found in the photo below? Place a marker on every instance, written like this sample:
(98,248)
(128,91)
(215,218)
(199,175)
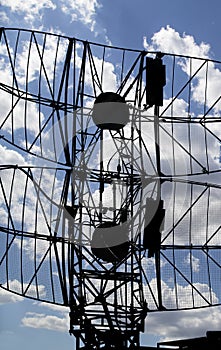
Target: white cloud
(15,286)
(213,86)
(18,105)
(9,156)
(53,307)
(186,295)
(34,56)
(183,324)
(81,10)
(109,75)
(195,262)
(169,40)
(4,17)
(19,119)
(21,113)
(171,325)
(50,322)
(31,9)
(7,297)
(53,317)
(16,184)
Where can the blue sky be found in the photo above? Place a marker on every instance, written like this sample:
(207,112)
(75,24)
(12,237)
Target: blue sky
(188,27)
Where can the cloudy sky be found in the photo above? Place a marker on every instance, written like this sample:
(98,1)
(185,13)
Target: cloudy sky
(182,27)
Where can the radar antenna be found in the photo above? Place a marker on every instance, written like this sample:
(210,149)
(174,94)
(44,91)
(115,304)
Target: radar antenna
(110,182)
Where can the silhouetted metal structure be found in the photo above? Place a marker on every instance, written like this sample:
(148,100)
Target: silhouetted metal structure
(109,194)
(211,341)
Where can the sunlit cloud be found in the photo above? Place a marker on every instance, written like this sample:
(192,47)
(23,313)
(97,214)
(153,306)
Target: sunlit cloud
(183,324)
(81,10)
(51,317)
(4,17)
(31,10)
(50,322)
(8,297)
(169,40)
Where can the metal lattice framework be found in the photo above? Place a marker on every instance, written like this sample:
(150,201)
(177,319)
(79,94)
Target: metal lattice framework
(63,178)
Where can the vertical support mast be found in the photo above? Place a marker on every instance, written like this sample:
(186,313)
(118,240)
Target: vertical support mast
(157,149)
(155,81)
(101,189)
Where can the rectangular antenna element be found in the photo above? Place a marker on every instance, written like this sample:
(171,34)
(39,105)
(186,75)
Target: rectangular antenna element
(155,81)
